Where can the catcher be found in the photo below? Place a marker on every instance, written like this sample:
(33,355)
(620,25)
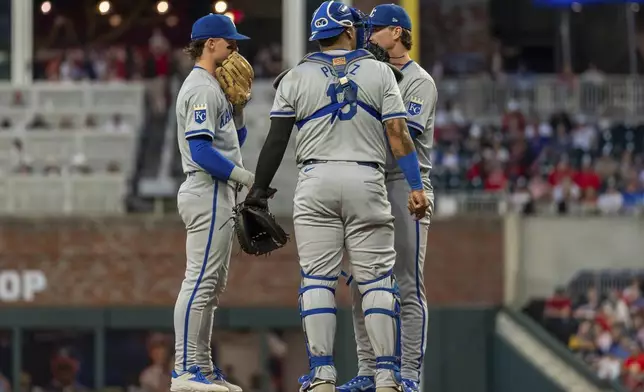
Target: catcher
(210,132)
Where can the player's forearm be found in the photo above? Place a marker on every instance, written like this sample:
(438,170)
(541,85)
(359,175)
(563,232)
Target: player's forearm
(215,164)
(399,138)
(273,151)
(402,147)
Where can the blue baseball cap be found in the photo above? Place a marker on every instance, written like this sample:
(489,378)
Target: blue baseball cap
(390,15)
(331,18)
(215,26)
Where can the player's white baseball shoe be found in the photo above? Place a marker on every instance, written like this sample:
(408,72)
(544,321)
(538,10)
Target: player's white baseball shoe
(218,378)
(193,381)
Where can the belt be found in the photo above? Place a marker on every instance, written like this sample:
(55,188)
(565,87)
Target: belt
(372,165)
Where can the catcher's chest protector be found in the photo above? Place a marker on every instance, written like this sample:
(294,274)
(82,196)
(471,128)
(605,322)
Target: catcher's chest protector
(340,64)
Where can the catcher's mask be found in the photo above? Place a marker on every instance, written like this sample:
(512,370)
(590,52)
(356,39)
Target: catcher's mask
(332,18)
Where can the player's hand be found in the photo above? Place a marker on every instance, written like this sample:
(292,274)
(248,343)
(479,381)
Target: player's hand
(418,204)
(259,197)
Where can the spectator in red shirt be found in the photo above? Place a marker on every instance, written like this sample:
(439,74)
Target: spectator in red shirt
(557,304)
(634,368)
(561,171)
(475,171)
(496,180)
(587,177)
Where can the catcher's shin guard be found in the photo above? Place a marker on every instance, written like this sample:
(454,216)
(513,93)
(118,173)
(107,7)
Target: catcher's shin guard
(318,312)
(381,307)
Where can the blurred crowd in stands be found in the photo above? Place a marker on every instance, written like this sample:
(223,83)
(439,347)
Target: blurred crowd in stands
(603,327)
(566,164)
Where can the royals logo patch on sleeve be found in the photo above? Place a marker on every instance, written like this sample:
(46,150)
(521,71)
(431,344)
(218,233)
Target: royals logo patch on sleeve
(415,106)
(200,113)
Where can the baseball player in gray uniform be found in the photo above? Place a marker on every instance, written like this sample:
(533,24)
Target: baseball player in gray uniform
(209,136)
(391,30)
(338,100)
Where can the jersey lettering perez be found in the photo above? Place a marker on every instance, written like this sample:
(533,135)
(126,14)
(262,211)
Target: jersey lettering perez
(351,133)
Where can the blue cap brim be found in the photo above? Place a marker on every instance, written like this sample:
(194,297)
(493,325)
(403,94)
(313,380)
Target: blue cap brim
(238,37)
(326,34)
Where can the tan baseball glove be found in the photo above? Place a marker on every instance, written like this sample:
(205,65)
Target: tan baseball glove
(235,76)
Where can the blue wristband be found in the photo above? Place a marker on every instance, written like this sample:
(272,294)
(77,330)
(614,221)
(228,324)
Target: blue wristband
(410,168)
(241,135)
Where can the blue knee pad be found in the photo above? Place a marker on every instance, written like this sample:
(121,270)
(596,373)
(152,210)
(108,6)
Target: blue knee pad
(388,284)
(310,283)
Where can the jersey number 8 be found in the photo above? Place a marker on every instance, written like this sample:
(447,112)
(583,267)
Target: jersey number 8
(332,92)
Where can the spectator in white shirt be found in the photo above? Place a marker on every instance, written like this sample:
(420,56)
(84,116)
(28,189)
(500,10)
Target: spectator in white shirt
(616,308)
(611,201)
(451,160)
(593,75)
(609,368)
(583,136)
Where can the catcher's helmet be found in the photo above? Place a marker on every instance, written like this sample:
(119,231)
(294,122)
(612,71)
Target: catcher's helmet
(332,17)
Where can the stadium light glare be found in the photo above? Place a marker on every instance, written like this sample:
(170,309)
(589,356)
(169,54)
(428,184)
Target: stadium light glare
(221,7)
(104,7)
(230,15)
(163,7)
(115,20)
(635,7)
(576,7)
(45,7)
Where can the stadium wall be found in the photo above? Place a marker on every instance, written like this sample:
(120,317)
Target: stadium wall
(137,261)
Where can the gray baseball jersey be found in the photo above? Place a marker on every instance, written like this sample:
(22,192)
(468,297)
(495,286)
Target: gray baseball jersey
(340,200)
(311,86)
(204,204)
(420,95)
(202,109)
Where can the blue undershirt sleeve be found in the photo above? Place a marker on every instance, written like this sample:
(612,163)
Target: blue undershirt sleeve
(211,160)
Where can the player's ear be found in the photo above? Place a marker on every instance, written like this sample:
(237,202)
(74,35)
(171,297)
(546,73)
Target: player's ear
(396,32)
(351,32)
(210,44)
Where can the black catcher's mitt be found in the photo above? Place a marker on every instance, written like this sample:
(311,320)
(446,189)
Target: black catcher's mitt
(378,52)
(257,229)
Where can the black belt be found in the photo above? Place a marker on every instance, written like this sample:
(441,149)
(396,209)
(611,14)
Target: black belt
(372,165)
